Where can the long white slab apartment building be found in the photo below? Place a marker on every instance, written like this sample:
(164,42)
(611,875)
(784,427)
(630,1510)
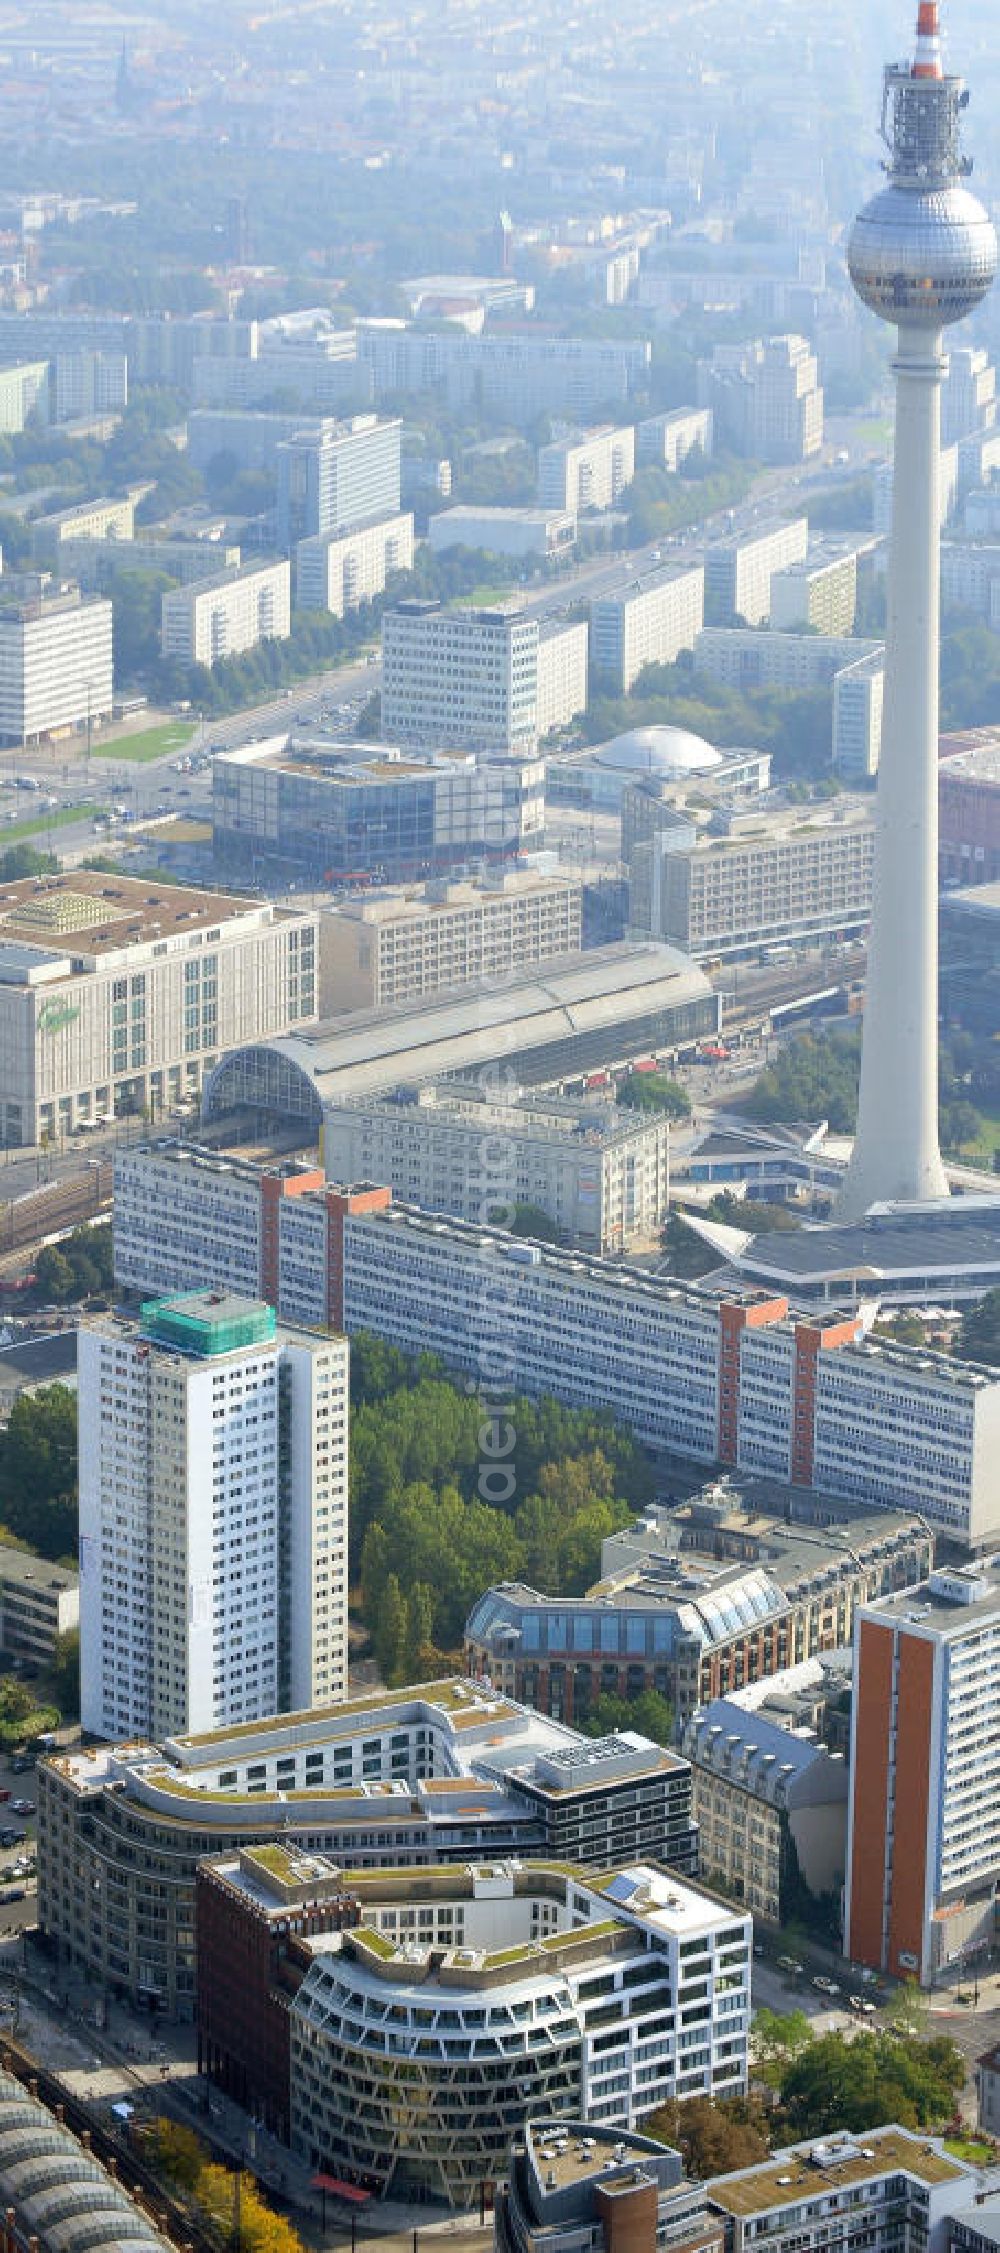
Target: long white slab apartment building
(647,623)
(711,1375)
(858,696)
(746,657)
(561,673)
(191,1219)
(397,946)
(668,439)
(821,592)
(213,1517)
(715,1375)
(116,994)
(503,531)
(338,571)
(24,390)
(589,472)
(739,570)
(100,519)
(221,616)
(55,659)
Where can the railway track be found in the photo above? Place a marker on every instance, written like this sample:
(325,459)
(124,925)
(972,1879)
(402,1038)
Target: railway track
(114,2151)
(29,1220)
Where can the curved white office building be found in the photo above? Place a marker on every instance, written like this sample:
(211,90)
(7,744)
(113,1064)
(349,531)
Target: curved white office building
(468,1999)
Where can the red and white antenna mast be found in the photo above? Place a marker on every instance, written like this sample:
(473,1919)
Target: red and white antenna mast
(927,59)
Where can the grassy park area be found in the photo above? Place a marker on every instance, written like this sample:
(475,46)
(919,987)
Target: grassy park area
(169,739)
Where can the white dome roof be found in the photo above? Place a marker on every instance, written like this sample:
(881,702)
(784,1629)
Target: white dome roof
(665,752)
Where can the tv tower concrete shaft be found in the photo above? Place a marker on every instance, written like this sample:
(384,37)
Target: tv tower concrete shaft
(922,254)
(896,1152)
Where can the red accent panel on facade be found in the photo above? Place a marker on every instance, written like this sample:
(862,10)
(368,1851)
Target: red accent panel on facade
(732,1320)
(870,1791)
(913,1740)
(340,1202)
(735,1316)
(273,1188)
(812,1339)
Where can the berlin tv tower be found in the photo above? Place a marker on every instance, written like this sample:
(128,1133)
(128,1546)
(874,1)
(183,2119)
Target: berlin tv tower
(921,254)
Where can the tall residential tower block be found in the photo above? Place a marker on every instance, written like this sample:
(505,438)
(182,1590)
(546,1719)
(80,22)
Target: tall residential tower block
(213,1517)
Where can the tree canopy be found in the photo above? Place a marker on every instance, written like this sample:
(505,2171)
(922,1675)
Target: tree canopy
(180,2157)
(526,1220)
(979,1335)
(713,2135)
(651,1713)
(817,2083)
(449,1496)
(815,1076)
(21,1718)
(82,1264)
(38,1471)
(654,1091)
(23,860)
(869,2081)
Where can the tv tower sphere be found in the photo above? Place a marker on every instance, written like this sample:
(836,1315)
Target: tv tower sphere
(922,254)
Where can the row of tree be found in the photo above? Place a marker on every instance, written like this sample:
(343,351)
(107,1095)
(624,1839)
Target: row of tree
(316,642)
(233,2209)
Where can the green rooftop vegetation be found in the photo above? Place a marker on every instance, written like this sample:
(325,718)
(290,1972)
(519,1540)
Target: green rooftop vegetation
(601,1931)
(450,1692)
(375,1942)
(277,1861)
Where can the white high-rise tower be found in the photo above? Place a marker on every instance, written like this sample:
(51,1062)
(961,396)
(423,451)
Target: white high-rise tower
(922,254)
(213,1517)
